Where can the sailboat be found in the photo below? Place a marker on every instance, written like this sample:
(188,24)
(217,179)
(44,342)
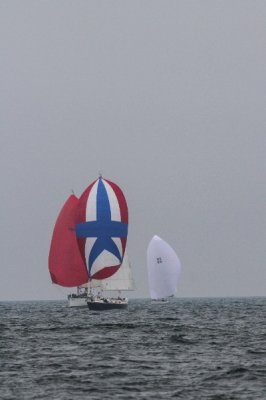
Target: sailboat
(66,265)
(101,230)
(164,268)
(122,280)
(88,246)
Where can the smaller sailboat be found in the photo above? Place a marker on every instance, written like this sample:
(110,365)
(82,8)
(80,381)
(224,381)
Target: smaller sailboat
(78,299)
(164,268)
(66,266)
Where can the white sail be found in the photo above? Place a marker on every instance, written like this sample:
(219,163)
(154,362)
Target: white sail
(122,279)
(163,267)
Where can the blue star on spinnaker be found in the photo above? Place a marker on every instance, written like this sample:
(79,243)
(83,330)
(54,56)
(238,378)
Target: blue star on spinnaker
(103,229)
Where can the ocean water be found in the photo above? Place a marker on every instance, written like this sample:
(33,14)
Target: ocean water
(185,349)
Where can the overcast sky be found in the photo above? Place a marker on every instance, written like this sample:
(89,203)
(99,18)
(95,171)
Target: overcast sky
(165,98)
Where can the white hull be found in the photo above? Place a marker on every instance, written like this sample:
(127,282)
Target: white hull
(77,301)
(159,301)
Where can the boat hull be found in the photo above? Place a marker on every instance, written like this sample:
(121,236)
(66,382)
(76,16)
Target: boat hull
(159,301)
(107,304)
(77,301)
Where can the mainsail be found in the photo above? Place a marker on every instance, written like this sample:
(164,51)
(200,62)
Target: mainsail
(163,267)
(122,279)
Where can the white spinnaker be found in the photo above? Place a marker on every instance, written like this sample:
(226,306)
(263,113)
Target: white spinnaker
(122,279)
(163,267)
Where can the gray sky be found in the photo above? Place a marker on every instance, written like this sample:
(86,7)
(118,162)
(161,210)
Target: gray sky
(165,98)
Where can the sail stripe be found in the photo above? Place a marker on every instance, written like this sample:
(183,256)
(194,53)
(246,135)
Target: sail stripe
(102,229)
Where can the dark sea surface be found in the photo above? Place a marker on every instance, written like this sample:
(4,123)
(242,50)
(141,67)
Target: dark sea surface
(185,349)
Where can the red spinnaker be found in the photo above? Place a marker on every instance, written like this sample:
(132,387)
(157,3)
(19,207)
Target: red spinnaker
(66,266)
